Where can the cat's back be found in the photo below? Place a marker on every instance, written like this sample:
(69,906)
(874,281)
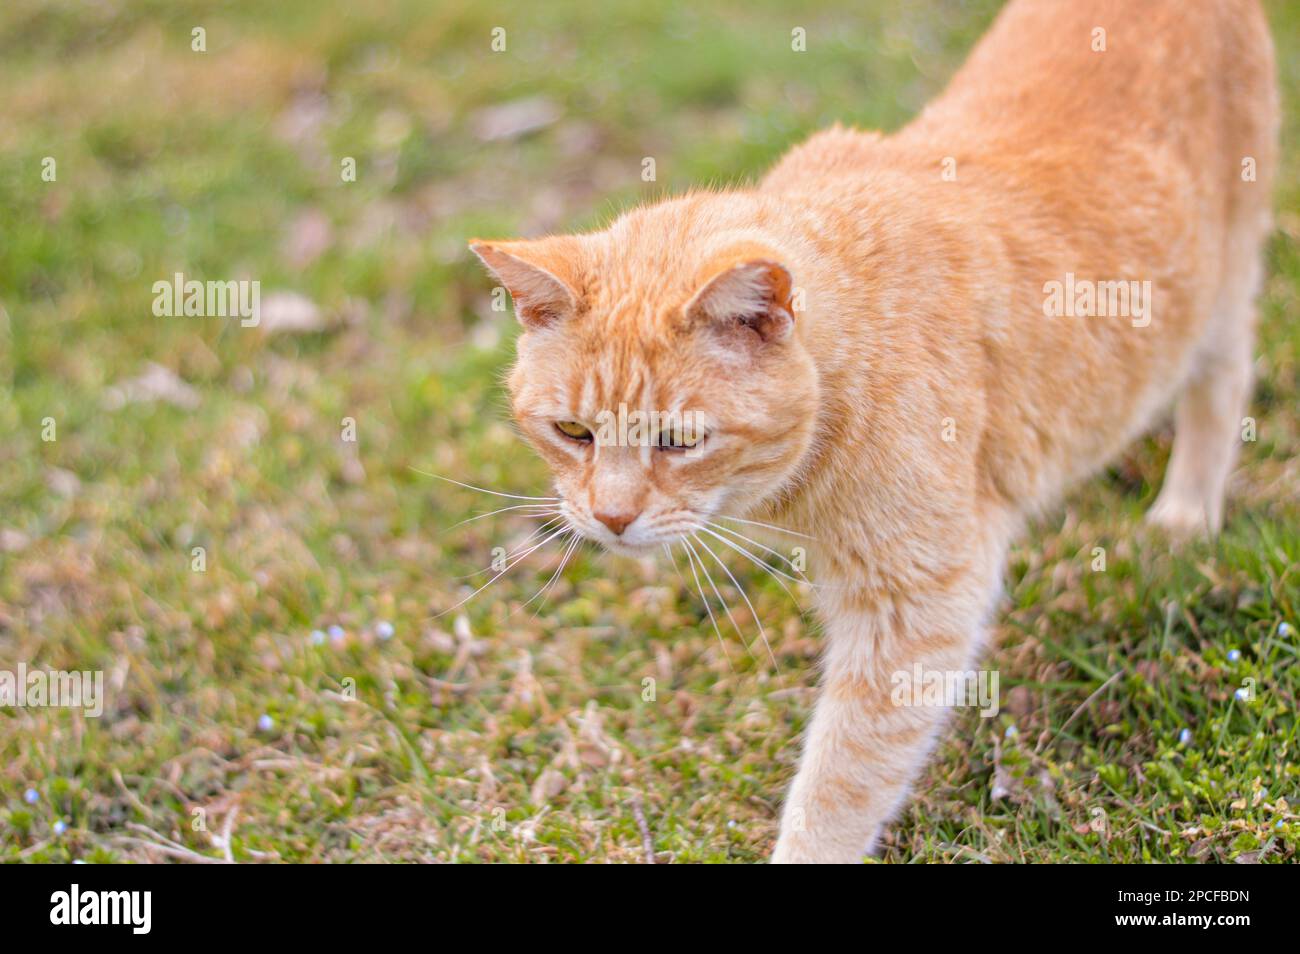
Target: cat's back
(1053,75)
(1089,84)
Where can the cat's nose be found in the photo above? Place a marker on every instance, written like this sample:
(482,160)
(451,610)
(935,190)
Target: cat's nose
(617,522)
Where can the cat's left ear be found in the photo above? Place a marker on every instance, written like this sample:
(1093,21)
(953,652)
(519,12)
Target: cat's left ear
(746,292)
(537,273)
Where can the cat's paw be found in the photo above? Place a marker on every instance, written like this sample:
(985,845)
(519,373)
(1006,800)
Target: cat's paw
(1182,518)
(799,849)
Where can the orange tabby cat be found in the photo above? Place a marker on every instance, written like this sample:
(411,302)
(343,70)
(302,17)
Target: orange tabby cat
(902,345)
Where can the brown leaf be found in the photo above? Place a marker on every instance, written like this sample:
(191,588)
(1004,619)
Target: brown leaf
(290,312)
(548,785)
(515,119)
(155,383)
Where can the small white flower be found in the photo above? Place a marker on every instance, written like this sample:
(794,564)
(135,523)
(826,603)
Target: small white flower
(265,723)
(1284,629)
(1185,737)
(318,637)
(337,634)
(1012,732)
(1234,655)
(384,629)
(31,796)
(60,827)
(1243,694)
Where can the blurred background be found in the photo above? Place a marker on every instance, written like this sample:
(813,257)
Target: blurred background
(311,691)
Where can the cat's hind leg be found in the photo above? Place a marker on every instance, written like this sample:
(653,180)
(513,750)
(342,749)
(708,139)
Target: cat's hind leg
(1207,436)
(1209,418)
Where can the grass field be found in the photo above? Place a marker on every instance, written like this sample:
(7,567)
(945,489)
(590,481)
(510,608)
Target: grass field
(306,695)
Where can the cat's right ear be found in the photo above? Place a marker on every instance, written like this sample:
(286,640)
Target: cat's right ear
(747,288)
(536,273)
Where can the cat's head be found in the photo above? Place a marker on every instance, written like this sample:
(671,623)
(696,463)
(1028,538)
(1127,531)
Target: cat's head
(660,372)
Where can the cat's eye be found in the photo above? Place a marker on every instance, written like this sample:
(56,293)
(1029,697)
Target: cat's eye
(677,439)
(573,430)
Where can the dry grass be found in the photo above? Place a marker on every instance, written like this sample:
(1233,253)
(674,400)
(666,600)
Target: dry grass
(489,733)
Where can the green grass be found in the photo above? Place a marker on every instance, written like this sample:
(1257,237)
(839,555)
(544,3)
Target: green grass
(488,734)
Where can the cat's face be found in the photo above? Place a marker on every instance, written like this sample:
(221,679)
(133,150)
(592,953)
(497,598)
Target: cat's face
(663,386)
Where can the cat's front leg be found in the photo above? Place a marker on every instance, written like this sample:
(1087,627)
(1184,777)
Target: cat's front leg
(873,725)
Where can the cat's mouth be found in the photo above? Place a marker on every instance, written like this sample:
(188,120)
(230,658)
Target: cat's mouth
(633,542)
(637,537)
(624,548)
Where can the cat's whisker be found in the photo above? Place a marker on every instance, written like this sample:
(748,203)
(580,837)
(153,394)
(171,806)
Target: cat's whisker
(673,560)
(534,510)
(766,526)
(718,593)
(743,595)
(504,570)
(549,524)
(564,560)
(757,562)
(483,490)
(776,574)
(708,608)
(776,553)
